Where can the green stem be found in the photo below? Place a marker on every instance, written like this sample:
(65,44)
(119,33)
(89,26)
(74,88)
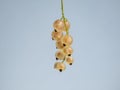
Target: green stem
(62,9)
(63,17)
(63,60)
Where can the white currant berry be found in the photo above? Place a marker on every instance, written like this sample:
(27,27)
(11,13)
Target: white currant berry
(59,66)
(66,25)
(59,44)
(56,35)
(68,51)
(69,60)
(67,40)
(58,25)
(60,55)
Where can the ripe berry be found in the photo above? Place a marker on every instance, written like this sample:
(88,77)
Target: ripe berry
(68,51)
(58,25)
(56,35)
(60,55)
(67,40)
(59,66)
(59,45)
(69,60)
(67,25)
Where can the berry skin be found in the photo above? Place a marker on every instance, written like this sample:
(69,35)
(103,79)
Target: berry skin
(58,25)
(56,35)
(60,55)
(69,60)
(68,51)
(59,45)
(59,66)
(67,25)
(67,40)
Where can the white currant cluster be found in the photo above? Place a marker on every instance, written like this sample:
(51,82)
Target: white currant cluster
(63,43)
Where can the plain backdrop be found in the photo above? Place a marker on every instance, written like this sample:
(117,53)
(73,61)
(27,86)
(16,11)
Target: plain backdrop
(27,53)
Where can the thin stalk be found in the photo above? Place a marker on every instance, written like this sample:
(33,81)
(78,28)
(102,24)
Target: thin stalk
(63,17)
(62,9)
(63,60)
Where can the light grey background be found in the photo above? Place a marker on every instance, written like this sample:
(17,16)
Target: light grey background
(27,51)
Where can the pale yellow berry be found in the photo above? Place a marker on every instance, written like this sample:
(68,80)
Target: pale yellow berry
(56,35)
(60,55)
(67,40)
(68,51)
(59,66)
(67,25)
(69,60)
(58,25)
(59,44)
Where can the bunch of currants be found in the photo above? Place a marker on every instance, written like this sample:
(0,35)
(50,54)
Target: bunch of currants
(63,40)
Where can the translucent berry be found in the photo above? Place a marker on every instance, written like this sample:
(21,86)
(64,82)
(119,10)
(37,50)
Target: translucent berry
(67,40)
(58,25)
(60,55)
(67,25)
(56,35)
(69,60)
(59,66)
(59,44)
(68,51)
